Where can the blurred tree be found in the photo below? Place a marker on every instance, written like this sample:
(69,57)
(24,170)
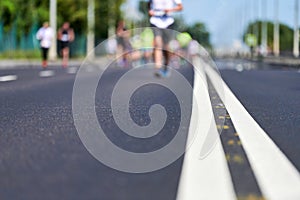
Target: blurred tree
(286,38)
(179,24)
(74,12)
(23,12)
(26,13)
(108,13)
(200,33)
(143,8)
(286,35)
(7,13)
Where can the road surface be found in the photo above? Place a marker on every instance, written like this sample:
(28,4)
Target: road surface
(42,156)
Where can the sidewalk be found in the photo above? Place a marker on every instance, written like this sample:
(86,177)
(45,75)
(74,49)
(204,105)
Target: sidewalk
(285,61)
(29,64)
(282,61)
(26,63)
(278,61)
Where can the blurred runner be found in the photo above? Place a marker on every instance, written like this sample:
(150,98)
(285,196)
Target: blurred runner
(126,51)
(123,44)
(160,19)
(111,47)
(147,38)
(184,40)
(175,53)
(45,35)
(193,49)
(65,36)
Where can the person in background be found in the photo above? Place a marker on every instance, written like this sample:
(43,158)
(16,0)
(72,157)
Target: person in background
(111,47)
(147,38)
(65,36)
(160,19)
(175,53)
(45,35)
(184,40)
(123,44)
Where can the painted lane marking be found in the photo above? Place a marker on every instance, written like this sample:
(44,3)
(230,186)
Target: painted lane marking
(242,175)
(46,73)
(8,78)
(207,178)
(239,68)
(275,174)
(72,70)
(244,180)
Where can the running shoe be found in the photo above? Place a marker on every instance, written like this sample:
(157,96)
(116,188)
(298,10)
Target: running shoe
(164,73)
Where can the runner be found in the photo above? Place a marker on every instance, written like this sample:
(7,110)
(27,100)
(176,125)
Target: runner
(124,46)
(147,38)
(184,40)
(45,36)
(160,20)
(65,36)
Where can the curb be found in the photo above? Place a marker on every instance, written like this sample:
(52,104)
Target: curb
(23,64)
(291,62)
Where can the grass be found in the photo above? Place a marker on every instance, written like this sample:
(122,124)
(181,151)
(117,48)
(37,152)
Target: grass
(20,54)
(28,55)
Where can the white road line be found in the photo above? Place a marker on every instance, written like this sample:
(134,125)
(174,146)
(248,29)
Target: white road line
(47,73)
(207,178)
(239,68)
(89,68)
(8,78)
(276,175)
(72,70)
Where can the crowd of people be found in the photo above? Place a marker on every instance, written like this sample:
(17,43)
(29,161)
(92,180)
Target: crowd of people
(137,47)
(157,44)
(65,36)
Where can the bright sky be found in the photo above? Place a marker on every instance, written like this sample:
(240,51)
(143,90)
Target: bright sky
(227,19)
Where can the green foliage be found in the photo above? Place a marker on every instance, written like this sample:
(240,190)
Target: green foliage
(286,38)
(102,12)
(23,14)
(143,7)
(286,34)
(179,24)
(42,11)
(200,33)
(7,13)
(26,13)
(74,12)
(21,54)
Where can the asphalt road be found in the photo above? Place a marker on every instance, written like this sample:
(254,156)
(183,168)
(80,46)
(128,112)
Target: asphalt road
(42,157)
(271,95)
